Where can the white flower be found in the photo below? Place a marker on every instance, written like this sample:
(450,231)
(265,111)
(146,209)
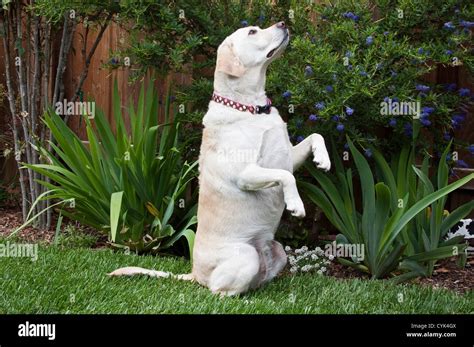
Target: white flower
(288,248)
(292,260)
(293,269)
(323,269)
(331,257)
(320,272)
(304,249)
(314,257)
(298,251)
(306,268)
(316,265)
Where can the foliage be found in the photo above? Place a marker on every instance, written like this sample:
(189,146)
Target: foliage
(75,237)
(356,55)
(386,211)
(125,184)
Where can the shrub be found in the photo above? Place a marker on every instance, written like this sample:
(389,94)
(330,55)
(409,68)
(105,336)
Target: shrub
(127,185)
(388,206)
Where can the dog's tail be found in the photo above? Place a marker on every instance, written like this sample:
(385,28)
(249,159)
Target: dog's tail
(133,270)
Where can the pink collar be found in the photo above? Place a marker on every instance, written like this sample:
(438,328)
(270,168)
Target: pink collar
(241,107)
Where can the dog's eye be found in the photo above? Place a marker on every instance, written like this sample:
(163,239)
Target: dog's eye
(252,32)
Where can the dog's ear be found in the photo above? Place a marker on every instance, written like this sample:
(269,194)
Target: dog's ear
(227,61)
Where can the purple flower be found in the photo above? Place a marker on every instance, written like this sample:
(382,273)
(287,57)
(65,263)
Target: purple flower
(299,123)
(348,54)
(464,92)
(308,71)
(422,88)
(346,146)
(349,67)
(449,26)
(386,99)
(329,89)
(466,24)
(350,15)
(393,73)
(393,122)
(368,152)
(244,23)
(349,111)
(451,87)
(363,73)
(313,118)
(335,118)
(386,33)
(447,136)
(470,148)
(461,163)
(448,52)
(408,129)
(420,50)
(369,40)
(427,109)
(395,99)
(286,94)
(425,121)
(299,139)
(319,105)
(456,120)
(379,66)
(340,127)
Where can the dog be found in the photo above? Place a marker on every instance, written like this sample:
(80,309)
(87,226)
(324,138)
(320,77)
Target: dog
(246,166)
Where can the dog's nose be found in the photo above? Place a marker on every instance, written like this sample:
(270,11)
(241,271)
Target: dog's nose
(281,25)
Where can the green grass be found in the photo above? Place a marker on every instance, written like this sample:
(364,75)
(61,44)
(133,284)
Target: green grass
(75,281)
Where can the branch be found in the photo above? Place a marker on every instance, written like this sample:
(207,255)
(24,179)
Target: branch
(84,73)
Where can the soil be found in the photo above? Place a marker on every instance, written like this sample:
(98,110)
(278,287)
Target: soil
(446,275)
(11,218)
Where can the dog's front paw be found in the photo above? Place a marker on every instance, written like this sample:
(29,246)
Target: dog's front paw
(296,207)
(321,159)
(320,153)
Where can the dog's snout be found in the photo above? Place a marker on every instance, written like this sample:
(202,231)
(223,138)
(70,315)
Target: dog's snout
(281,25)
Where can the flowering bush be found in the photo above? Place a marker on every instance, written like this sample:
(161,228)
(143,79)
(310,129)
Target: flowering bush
(340,69)
(305,260)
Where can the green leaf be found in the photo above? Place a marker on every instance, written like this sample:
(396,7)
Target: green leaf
(115,207)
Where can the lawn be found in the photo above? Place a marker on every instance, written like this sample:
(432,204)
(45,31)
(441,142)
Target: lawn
(75,281)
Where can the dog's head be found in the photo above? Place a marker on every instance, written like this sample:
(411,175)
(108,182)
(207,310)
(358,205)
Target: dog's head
(251,47)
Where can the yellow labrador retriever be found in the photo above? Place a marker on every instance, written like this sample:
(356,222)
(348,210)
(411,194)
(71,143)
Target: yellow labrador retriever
(246,164)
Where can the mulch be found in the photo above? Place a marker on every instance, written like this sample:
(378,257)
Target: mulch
(446,275)
(11,219)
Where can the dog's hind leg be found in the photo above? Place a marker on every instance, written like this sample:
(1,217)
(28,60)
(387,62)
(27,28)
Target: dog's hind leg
(274,258)
(238,273)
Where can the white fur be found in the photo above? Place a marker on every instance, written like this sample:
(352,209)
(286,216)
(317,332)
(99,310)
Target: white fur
(242,197)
